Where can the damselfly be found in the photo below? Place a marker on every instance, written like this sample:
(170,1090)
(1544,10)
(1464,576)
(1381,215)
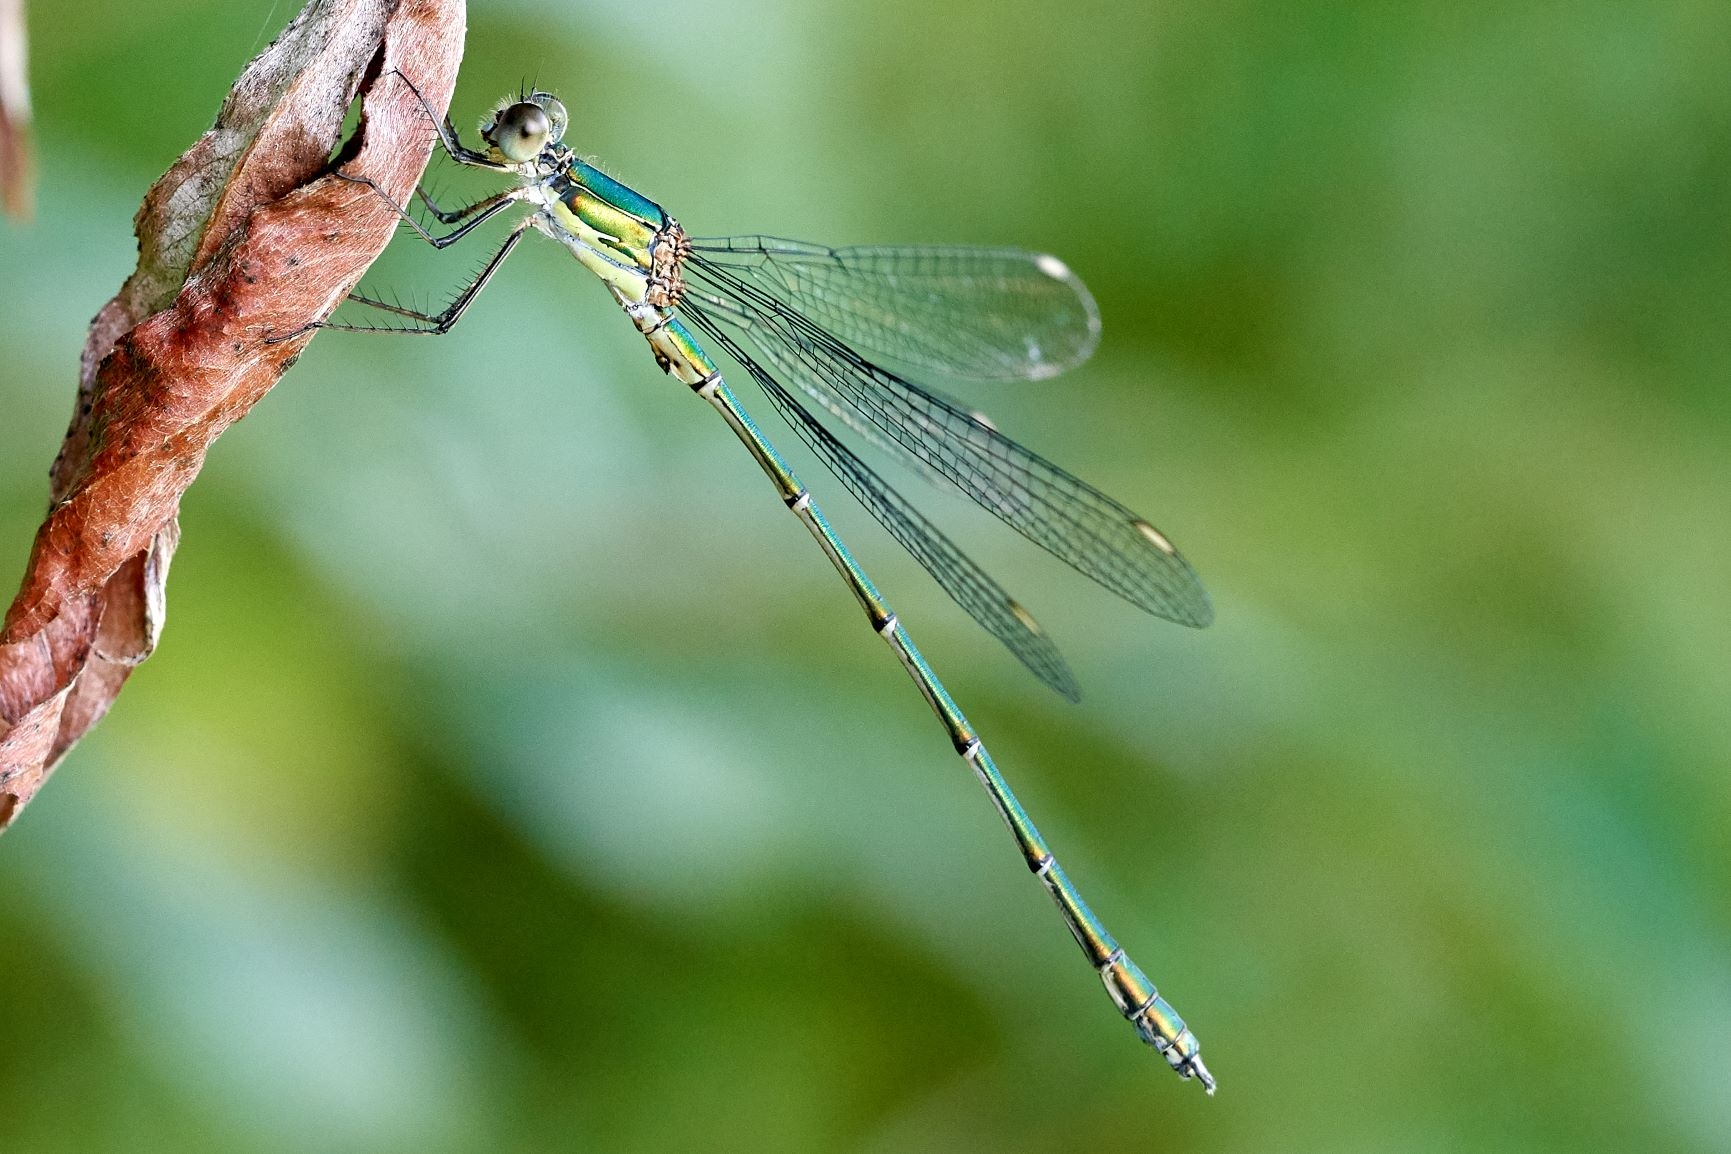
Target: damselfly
(818,330)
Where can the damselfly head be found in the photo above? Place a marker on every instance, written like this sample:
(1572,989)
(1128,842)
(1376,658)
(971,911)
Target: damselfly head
(518,130)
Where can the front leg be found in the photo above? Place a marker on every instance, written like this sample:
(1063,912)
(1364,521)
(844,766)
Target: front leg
(448,138)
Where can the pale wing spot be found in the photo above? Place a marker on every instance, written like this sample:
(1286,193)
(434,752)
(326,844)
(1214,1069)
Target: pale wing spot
(982,420)
(1052,266)
(1027,619)
(1154,535)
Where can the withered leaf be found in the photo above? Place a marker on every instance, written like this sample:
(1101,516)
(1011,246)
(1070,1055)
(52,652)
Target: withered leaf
(15,164)
(246,239)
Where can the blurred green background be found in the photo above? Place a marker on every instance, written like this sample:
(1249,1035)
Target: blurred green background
(514,774)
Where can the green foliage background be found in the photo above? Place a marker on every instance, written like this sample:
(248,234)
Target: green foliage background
(514,775)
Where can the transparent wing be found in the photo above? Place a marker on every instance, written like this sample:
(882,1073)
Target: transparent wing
(989,314)
(1076,522)
(971,587)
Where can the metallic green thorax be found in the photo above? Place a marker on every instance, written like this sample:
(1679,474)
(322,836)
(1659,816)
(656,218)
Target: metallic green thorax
(581,178)
(634,246)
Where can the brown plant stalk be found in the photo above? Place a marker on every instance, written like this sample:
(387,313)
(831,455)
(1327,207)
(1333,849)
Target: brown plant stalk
(247,239)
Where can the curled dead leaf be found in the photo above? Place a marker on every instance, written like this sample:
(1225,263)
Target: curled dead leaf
(15,163)
(246,239)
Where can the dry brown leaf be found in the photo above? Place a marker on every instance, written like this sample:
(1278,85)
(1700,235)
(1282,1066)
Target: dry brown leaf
(15,164)
(246,239)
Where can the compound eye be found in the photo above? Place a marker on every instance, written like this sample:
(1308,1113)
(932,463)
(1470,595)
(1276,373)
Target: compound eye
(555,112)
(521,132)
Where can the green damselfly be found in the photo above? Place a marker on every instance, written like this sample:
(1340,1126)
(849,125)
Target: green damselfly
(805,322)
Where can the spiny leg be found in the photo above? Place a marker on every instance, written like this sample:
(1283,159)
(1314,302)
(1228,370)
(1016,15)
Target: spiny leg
(444,215)
(475,215)
(442,322)
(1155,1020)
(454,148)
(448,138)
(478,213)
